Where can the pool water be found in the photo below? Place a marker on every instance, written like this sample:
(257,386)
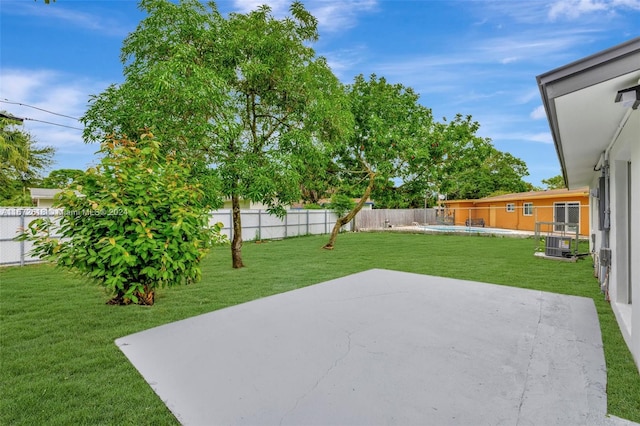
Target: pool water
(471,229)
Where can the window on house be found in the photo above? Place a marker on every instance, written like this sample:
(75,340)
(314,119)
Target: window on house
(511,207)
(527,209)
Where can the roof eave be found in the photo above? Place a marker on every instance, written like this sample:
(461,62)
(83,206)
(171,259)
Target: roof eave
(576,76)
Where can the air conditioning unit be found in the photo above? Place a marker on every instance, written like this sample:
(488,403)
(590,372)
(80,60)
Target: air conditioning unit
(558,246)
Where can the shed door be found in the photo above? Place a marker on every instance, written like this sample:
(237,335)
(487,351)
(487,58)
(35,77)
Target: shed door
(492,215)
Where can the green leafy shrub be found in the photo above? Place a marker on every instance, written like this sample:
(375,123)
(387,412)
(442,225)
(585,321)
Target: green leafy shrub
(133,224)
(341,204)
(312,206)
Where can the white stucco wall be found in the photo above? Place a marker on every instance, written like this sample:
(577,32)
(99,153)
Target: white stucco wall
(624,279)
(634,141)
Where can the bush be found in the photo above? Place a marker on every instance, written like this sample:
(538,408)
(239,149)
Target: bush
(133,224)
(341,204)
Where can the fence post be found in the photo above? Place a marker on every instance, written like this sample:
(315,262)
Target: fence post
(231,224)
(22,242)
(308,227)
(325,221)
(259,224)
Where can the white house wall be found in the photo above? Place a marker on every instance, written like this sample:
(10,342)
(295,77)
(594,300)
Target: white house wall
(633,137)
(624,237)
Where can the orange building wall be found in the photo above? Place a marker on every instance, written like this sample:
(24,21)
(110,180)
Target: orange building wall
(495,212)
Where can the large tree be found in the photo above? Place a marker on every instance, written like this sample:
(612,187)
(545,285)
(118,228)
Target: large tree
(288,105)
(173,86)
(472,167)
(556,182)
(389,140)
(244,98)
(457,162)
(61,178)
(22,162)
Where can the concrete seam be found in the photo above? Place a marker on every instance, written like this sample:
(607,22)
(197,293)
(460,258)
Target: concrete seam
(322,377)
(533,345)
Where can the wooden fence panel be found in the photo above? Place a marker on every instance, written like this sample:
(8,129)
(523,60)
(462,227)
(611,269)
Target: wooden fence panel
(385,218)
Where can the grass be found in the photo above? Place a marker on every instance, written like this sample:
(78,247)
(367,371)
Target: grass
(59,364)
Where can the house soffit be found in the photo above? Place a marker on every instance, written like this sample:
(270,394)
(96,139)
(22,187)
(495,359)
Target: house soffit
(587,123)
(579,101)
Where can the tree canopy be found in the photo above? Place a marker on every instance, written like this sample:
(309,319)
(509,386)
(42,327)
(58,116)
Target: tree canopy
(471,166)
(61,178)
(172,82)
(555,182)
(390,128)
(259,116)
(22,163)
(287,103)
(244,99)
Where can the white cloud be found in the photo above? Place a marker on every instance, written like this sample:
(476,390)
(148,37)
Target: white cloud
(17,84)
(343,61)
(573,9)
(541,137)
(631,4)
(530,45)
(528,95)
(527,12)
(31,93)
(539,113)
(278,7)
(509,60)
(67,15)
(544,137)
(340,15)
(332,15)
(469,66)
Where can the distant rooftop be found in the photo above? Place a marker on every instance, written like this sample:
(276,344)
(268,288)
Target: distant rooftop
(44,193)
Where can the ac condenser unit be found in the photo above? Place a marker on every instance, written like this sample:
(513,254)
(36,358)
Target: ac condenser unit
(558,246)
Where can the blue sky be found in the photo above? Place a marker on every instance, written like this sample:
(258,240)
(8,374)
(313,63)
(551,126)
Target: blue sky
(470,57)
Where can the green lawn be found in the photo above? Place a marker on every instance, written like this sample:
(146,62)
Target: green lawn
(59,364)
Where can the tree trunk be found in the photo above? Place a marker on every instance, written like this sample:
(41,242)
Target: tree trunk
(236,243)
(334,233)
(146,298)
(349,217)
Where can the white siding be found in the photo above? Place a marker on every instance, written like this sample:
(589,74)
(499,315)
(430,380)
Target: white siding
(624,279)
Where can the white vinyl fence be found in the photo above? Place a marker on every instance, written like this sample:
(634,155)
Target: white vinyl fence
(256,224)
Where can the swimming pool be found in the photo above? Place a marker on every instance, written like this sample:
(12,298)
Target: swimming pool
(468,229)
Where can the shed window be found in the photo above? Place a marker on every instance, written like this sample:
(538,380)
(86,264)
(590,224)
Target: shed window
(511,207)
(527,209)
(566,216)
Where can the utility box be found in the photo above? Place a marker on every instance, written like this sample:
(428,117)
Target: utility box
(605,257)
(558,246)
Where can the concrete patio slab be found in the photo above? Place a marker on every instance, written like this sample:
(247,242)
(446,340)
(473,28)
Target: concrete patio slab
(383,347)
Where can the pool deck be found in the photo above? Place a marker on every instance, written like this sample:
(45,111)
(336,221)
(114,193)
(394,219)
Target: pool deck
(459,230)
(383,347)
